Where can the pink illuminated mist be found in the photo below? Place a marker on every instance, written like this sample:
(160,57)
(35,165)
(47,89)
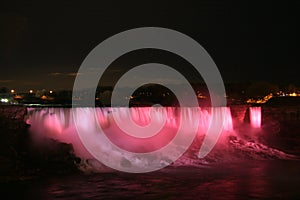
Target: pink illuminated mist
(58,123)
(255,117)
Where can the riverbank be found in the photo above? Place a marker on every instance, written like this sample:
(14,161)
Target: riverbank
(21,159)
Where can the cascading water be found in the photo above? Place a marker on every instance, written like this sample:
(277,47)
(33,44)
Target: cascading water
(63,125)
(255,117)
(58,124)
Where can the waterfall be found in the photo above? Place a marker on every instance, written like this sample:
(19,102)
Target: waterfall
(255,117)
(59,124)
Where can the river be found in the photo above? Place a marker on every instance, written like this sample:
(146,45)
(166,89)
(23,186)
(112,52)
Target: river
(272,179)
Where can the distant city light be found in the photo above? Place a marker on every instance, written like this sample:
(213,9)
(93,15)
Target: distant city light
(4,100)
(264,100)
(30,91)
(50,91)
(12,91)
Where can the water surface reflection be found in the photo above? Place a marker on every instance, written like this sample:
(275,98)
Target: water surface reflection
(244,180)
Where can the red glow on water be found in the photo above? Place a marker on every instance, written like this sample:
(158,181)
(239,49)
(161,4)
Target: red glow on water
(141,117)
(228,125)
(255,117)
(59,124)
(53,123)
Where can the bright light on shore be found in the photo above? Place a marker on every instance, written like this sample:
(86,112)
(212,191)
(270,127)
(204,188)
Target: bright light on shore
(12,91)
(30,91)
(4,100)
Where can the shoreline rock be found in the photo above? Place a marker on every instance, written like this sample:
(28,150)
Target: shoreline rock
(21,159)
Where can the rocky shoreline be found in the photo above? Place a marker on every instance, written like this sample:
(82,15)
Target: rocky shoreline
(21,159)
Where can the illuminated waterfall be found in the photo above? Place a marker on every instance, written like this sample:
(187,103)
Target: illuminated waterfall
(255,117)
(58,124)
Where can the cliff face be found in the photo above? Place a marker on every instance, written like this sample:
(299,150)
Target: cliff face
(12,117)
(20,158)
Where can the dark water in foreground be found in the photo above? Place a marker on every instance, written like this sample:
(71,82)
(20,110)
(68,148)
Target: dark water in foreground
(245,180)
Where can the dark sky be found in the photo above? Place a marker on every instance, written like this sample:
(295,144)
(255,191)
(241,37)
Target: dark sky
(43,43)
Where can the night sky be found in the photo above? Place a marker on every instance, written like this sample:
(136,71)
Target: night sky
(42,44)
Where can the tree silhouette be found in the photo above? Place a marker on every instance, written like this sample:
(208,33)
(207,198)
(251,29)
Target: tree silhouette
(3,90)
(261,89)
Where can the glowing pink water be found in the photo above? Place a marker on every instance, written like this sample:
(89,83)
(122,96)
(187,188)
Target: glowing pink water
(255,117)
(58,124)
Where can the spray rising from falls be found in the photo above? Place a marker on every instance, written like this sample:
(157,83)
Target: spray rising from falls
(62,124)
(255,117)
(59,124)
